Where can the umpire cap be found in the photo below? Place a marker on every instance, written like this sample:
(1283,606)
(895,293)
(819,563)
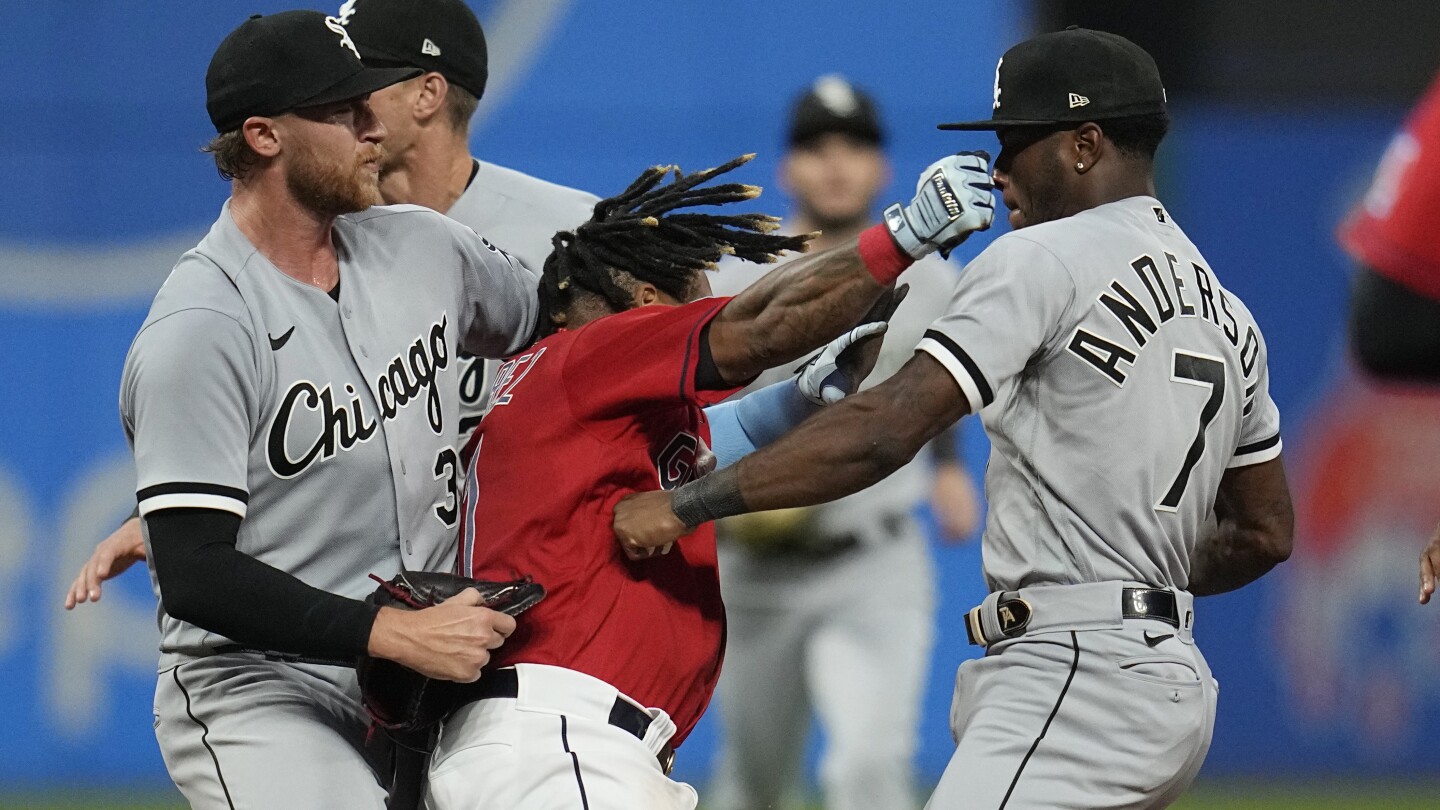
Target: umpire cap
(1072,76)
(281,62)
(443,36)
(833,104)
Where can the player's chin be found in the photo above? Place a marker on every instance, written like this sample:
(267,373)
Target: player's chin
(1016,218)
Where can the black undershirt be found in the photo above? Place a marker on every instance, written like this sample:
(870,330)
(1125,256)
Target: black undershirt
(206,581)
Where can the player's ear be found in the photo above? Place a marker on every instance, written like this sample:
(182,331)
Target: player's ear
(260,134)
(1089,142)
(432,90)
(645,294)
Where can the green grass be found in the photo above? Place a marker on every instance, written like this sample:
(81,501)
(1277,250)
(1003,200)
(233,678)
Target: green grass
(1209,796)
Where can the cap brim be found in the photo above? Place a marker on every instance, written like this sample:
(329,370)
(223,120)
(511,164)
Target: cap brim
(359,84)
(991,123)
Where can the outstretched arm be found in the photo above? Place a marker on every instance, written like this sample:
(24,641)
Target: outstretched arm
(815,298)
(1256,527)
(841,450)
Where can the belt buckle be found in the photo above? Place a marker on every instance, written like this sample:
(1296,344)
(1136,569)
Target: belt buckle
(666,756)
(1012,617)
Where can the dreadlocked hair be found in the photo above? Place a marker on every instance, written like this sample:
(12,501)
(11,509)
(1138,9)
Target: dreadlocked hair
(639,232)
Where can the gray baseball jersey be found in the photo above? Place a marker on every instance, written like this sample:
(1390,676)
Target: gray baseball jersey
(329,426)
(522,214)
(1117,380)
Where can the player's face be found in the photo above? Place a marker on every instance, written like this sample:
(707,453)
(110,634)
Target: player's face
(393,106)
(1031,174)
(835,179)
(332,156)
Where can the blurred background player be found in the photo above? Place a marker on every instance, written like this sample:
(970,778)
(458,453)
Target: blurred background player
(801,632)
(1395,296)
(427,162)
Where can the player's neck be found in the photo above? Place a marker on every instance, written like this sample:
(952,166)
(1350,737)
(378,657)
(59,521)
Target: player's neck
(832,234)
(1116,186)
(295,239)
(435,172)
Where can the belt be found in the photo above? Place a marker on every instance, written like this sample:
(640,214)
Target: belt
(624,715)
(1091,606)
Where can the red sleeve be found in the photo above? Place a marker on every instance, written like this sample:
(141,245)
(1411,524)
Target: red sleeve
(1392,230)
(641,357)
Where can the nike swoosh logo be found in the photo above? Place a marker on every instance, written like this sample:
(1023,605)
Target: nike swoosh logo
(276,343)
(1155,638)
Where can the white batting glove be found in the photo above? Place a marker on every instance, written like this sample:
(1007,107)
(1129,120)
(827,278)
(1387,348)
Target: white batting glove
(952,200)
(822,379)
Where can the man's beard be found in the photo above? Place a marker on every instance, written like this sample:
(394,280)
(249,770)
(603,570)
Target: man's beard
(1045,194)
(331,188)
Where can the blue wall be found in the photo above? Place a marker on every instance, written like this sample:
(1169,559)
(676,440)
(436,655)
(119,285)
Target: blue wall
(101,187)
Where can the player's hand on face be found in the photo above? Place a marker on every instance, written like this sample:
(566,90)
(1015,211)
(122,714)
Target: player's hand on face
(1429,567)
(111,558)
(646,526)
(450,641)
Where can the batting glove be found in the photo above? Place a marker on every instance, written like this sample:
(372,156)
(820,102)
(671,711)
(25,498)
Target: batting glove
(952,200)
(825,380)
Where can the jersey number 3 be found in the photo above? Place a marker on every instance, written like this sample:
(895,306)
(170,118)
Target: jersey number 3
(1202,370)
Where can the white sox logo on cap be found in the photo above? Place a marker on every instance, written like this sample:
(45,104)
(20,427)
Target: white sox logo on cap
(338,26)
(346,12)
(996,105)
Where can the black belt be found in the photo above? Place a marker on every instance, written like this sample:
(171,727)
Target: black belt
(624,715)
(1012,613)
(1150,603)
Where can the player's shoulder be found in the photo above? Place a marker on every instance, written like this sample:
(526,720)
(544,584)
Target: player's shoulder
(400,217)
(517,187)
(202,282)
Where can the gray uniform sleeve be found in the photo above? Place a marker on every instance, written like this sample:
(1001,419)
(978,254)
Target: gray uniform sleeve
(500,296)
(189,396)
(1006,309)
(1260,419)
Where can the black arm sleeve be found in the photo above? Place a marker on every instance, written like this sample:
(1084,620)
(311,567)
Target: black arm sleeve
(208,582)
(1394,331)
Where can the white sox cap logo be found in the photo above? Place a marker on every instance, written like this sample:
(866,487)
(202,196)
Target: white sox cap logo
(1077,100)
(996,105)
(346,11)
(338,26)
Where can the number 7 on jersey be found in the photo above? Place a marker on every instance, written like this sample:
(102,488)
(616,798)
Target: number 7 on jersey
(1203,370)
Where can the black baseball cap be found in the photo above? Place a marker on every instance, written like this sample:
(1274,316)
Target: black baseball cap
(833,104)
(281,62)
(443,36)
(1072,76)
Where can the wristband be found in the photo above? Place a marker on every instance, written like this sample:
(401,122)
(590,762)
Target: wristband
(715,496)
(881,255)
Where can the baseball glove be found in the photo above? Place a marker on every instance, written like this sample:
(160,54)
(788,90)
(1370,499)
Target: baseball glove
(400,699)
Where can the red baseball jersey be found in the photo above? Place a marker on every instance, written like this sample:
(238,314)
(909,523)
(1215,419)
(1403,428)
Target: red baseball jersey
(580,420)
(1393,229)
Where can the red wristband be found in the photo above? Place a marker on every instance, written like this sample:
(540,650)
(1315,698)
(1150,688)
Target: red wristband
(882,257)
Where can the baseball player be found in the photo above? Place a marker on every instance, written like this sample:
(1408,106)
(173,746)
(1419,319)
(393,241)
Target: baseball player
(427,162)
(613,669)
(291,403)
(1135,449)
(801,630)
(1395,297)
